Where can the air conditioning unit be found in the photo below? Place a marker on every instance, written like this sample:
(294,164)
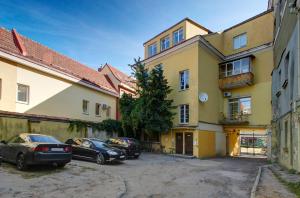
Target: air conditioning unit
(227,94)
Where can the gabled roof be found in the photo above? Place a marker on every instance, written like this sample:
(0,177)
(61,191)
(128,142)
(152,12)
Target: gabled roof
(12,42)
(122,77)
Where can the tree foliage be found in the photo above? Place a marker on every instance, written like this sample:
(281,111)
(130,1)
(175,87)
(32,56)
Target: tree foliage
(151,111)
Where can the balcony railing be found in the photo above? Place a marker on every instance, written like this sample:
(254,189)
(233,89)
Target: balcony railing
(235,119)
(236,81)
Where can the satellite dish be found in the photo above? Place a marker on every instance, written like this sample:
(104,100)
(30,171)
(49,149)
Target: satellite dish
(203,97)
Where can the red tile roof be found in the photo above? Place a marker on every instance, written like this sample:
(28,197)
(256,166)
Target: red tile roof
(15,43)
(122,77)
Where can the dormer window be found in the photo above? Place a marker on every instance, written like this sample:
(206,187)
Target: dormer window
(164,43)
(177,36)
(240,41)
(152,50)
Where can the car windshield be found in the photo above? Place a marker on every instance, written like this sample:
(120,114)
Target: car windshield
(100,144)
(43,138)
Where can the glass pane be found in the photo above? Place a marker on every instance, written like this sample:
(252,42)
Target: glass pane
(222,71)
(22,93)
(245,65)
(237,67)
(187,113)
(229,69)
(236,43)
(180,35)
(186,79)
(245,106)
(233,108)
(243,40)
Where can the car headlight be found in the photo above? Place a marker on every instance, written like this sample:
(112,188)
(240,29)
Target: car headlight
(112,153)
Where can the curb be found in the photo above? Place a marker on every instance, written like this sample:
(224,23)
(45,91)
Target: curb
(254,187)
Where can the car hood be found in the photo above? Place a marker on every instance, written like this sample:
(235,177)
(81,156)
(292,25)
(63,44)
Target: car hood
(111,149)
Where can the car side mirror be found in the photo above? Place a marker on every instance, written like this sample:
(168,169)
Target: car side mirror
(3,142)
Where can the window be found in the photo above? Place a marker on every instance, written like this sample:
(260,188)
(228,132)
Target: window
(23,93)
(286,66)
(184,114)
(108,112)
(235,67)
(240,41)
(85,107)
(152,50)
(164,43)
(239,107)
(177,36)
(184,80)
(97,110)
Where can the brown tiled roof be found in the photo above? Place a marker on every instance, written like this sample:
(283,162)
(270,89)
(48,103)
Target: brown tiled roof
(13,42)
(122,77)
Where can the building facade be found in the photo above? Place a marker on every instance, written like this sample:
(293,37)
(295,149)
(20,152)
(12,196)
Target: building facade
(42,90)
(221,85)
(285,84)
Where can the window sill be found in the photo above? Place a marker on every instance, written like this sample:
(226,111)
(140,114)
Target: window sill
(181,90)
(84,113)
(21,102)
(99,116)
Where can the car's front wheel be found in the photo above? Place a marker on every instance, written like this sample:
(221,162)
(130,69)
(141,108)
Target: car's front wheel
(100,159)
(21,162)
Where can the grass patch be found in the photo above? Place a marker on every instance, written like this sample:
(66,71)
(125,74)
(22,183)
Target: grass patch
(293,187)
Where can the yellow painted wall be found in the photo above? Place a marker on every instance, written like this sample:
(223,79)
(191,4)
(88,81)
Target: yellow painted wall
(8,76)
(260,91)
(259,31)
(12,126)
(189,30)
(180,60)
(53,96)
(206,144)
(233,144)
(208,75)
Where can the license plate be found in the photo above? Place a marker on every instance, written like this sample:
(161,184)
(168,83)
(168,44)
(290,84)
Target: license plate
(136,153)
(122,156)
(57,149)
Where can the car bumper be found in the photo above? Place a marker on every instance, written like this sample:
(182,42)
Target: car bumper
(116,158)
(48,158)
(133,153)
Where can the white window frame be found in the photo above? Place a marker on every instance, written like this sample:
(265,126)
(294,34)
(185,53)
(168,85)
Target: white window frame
(96,106)
(186,113)
(238,101)
(184,80)
(234,69)
(177,35)
(238,39)
(152,49)
(164,43)
(87,107)
(27,94)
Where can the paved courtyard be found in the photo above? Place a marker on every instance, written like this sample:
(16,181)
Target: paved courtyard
(152,175)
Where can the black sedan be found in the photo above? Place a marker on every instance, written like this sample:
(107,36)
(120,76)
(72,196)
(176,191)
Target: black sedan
(29,149)
(95,150)
(131,146)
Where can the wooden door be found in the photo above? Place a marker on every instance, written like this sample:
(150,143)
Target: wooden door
(179,143)
(188,143)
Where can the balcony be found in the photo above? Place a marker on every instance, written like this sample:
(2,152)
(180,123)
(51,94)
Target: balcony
(236,119)
(236,81)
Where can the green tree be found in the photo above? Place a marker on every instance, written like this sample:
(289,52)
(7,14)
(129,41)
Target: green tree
(110,126)
(151,112)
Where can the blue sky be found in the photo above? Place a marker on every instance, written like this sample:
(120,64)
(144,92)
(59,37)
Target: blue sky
(98,31)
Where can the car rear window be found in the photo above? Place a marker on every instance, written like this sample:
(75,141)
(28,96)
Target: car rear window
(42,138)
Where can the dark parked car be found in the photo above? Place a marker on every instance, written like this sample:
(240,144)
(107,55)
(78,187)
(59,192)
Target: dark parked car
(95,150)
(29,149)
(129,145)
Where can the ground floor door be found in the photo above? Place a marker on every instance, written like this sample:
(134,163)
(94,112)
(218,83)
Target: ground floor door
(188,143)
(179,143)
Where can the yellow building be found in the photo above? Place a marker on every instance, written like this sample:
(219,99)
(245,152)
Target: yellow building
(221,85)
(42,90)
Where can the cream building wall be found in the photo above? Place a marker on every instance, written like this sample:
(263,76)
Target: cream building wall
(50,95)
